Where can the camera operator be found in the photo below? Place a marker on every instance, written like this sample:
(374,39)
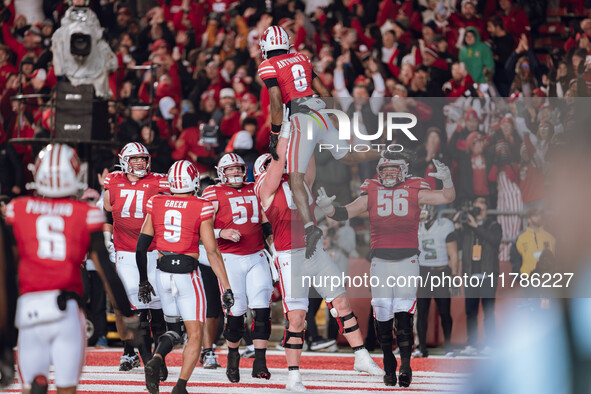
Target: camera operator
(479,238)
(79,52)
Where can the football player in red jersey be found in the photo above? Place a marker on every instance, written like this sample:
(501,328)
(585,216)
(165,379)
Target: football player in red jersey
(126,194)
(239,222)
(272,189)
(292,82)
(176,223)
(53,233)
(392,202)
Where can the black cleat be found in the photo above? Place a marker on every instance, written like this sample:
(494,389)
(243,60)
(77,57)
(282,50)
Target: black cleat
(152,373)
(259,369)
(39,385)
(404,376)
(390,379)
(163,372)
(179,390)
(233,367)
(313,235)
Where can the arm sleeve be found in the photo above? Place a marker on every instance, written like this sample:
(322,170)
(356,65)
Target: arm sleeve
(141,255)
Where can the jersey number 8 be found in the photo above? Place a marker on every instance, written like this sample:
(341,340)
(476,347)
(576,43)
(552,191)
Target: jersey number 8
(299,77)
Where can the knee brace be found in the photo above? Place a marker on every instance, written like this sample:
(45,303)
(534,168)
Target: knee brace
(174,323)
(234,328)
(404,333)
(167,342)
(261,323)
(292,334)
(341,320)
(384,333)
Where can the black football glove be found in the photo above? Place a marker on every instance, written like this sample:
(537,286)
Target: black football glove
(228,299)
(273,146)
(144,292)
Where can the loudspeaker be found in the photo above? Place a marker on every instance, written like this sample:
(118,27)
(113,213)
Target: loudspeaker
(79,116)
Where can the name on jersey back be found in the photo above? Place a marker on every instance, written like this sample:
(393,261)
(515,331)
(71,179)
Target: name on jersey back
(37,207)
(291,60)
(176,204)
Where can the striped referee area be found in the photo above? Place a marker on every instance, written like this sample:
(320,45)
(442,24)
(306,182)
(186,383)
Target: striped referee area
(321,372)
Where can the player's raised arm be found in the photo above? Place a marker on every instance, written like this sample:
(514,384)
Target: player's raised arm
(443,196)
(269,184)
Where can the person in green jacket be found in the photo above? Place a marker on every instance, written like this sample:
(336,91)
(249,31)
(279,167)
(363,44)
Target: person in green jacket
(476,55)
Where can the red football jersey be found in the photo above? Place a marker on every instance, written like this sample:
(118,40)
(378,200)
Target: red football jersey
(53,236)
(177,220)
(128,203)
(287,224)
(239,209)
(394,213)
(293,72)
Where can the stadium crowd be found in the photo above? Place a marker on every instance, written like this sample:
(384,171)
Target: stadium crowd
(490,81)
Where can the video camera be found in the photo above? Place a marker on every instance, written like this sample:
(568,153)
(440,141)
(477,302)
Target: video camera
(468,209)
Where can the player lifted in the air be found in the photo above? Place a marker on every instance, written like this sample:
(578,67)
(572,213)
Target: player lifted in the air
(239,222)
(274,193)
(176,223)
(126,194)
(292,83)
(392,202)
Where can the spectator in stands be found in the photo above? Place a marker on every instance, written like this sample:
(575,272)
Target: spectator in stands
(158,148)
(422,86)
(502,45)
(468,18)
(532,243)
(559,80)
(505,146)
(461,153)
(230,121)
(459,83)
(531,179)
(6,68)
(433,148)
(479,239)
(477,56)
(515,19)
(524,69)
(242,143)
(189,146)
(439,68)
(130,127)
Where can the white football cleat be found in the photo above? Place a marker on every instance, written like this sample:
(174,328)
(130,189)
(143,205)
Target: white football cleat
(364,363)
(294,382)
